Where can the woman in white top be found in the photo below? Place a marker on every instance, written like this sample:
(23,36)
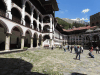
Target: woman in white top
(82,48)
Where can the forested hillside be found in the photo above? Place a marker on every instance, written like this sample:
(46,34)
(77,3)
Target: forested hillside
(68,25)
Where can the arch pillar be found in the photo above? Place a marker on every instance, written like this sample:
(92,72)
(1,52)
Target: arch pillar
(38,22)
(37,42)
(42,24)
(50,23)
(31,42)
(7,42)
(22,42)
(23,15)
(31,19)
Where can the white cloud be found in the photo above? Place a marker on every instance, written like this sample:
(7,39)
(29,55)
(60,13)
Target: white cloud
(84,19)
(62,12)
(85,10)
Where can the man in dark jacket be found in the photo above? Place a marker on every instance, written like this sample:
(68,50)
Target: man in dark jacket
(78,52)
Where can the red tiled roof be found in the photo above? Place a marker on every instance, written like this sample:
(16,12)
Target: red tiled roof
(79,28)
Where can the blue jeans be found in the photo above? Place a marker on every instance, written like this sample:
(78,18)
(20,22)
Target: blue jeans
(78,54)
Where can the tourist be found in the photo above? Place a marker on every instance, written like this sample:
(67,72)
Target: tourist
(64,48)
(78,52)
(71,48)
(81,48)
(97,49)
(75,48)
(91,48)
(91,54)
(68,48)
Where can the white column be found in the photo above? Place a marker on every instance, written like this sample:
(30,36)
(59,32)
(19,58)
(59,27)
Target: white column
(31,20)
(42,24)
(22,42)
(31,42)
(50,24)
(8,11)
(7,42)
(23,15)
(38,21)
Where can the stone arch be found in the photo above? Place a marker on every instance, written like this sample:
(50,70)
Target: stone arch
(29,32)
(16,15)
(39,27)
(46,37)
(35,25)
(35,14)
(21,30)
(15,40)
(46,19)
(28,7)
(28,21)
(92,24)
(3,30)
(17,2)
(46,28)
(5,26)
(35,38)
(3,8)
(40,39)
(27,39)
(97,23)
(95,40)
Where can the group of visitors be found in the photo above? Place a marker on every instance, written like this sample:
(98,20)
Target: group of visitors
(79,49)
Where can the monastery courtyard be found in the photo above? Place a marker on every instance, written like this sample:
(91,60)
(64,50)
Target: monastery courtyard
(49,62)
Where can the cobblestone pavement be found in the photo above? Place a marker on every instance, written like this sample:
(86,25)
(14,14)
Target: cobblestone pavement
(62,62)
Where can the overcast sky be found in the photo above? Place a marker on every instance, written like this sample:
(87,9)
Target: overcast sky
(73,9)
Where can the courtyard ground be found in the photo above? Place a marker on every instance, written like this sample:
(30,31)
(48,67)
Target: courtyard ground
(51,62)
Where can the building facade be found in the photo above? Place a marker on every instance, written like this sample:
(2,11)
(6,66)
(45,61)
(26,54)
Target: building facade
(95,19)
(27,23)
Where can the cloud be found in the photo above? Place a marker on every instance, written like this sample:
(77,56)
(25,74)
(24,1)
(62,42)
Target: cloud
(62,12)
(85,10)
(84,19)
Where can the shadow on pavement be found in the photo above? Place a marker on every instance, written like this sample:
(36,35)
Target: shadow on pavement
(75,73)
(16,66)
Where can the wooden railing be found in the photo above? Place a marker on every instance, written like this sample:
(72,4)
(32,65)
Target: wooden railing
(2,13)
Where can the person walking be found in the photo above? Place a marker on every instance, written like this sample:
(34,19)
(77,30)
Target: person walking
(97,49)
(68,48)
(71,48)
(75,48)
(78,52)
(64,48)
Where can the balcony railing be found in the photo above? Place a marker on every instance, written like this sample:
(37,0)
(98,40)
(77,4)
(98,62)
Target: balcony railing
(2,13)
(16,19)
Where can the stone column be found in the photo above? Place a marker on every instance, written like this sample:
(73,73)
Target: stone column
(22,42)
(50,24)
(38,22)
(31,20)
(23,15)
(31,42)
(7,42)
(42,24)
(8,11)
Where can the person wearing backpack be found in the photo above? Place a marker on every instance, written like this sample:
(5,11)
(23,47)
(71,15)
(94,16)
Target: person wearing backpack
(78,52)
